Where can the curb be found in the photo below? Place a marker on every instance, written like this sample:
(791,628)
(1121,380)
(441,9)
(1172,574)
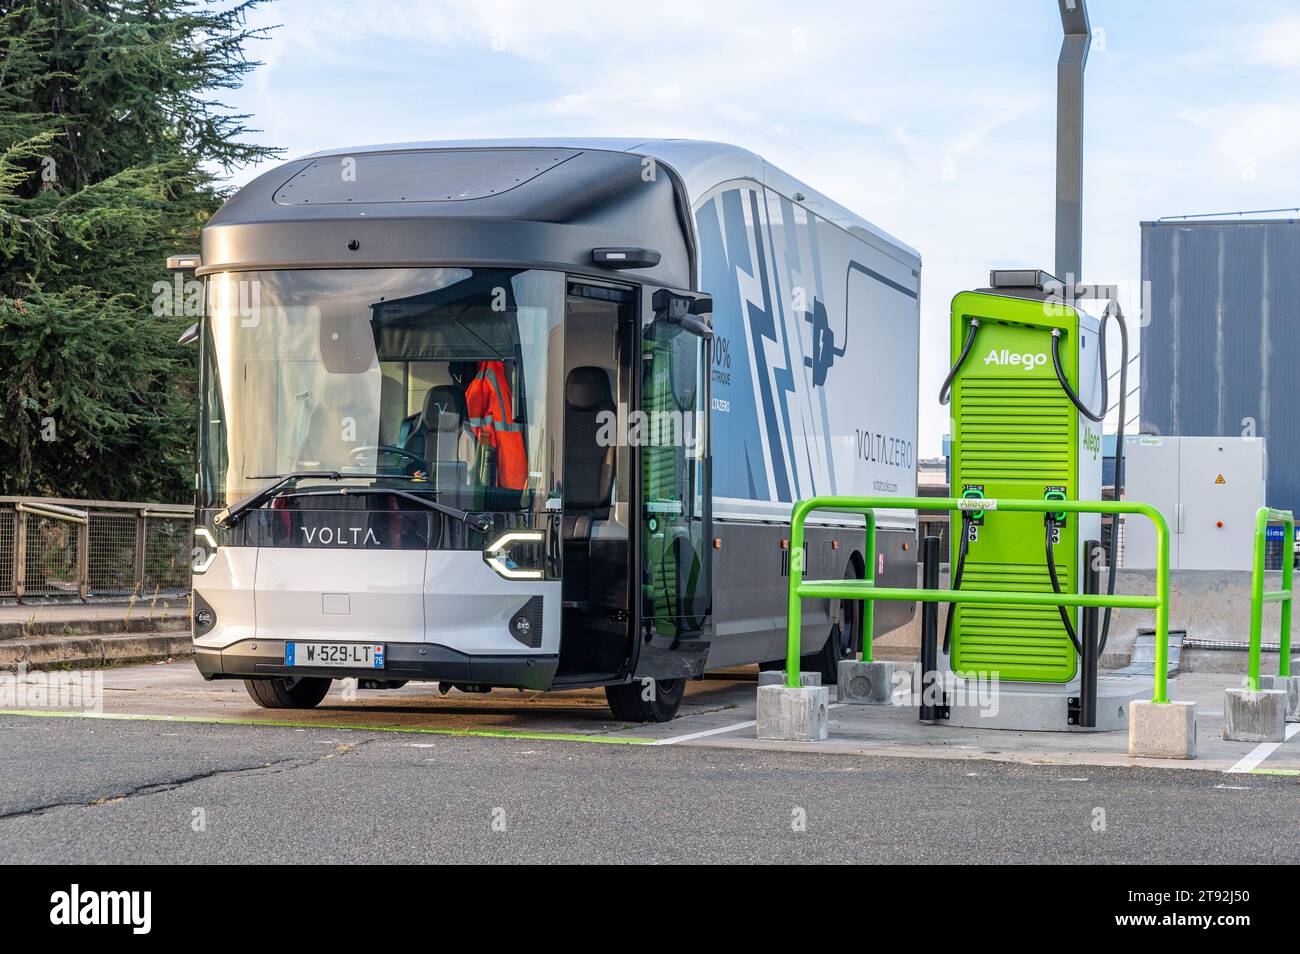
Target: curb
(83,651)
(1202,659)
(64,628)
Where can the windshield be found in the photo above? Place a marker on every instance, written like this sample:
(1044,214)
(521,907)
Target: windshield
(432,378)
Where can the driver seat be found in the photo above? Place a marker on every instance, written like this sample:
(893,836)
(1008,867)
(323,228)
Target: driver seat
(436,436)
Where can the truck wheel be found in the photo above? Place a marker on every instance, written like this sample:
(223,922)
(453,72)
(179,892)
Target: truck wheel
(844,640)
(289,692)
(627,704)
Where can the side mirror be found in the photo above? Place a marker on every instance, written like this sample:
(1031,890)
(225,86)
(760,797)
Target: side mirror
(183,263)
(690,312)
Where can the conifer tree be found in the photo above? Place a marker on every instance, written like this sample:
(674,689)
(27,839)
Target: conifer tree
(112,142)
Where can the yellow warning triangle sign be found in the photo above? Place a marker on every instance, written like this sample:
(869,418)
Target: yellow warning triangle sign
(1220,480)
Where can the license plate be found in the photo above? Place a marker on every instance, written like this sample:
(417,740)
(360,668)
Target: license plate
(340,655)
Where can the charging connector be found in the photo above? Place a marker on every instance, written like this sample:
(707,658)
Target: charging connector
(1054,523)
(971,521)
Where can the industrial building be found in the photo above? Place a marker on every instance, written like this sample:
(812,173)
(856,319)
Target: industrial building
(1220,336)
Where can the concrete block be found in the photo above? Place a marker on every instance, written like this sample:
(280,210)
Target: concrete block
(775,678)
(1291,686)
(865,683)
(793,715)
(1162,730)
(1254,716)
(1029,707)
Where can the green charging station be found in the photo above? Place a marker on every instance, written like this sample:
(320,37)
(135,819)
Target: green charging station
(1016,434)
(1025,634)
(1029,392)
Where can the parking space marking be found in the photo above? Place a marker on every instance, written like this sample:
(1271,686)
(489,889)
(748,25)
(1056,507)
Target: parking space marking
(705,733)
(674,739)
(1262,751)
(425,730)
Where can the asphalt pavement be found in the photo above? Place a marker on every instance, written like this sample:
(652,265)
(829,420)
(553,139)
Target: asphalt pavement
(95,790)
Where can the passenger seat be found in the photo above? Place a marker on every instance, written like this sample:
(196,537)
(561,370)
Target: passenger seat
(588,474)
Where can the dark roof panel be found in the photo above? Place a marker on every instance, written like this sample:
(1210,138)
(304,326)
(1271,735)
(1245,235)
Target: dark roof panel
(426,175)
(509,207)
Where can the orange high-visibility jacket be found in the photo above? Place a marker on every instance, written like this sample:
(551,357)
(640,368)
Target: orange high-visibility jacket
(488,402)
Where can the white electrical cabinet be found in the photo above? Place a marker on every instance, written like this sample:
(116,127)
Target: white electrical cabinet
(1208,489)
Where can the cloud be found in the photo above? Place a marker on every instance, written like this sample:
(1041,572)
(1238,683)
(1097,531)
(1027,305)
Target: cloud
(1274,45)
(932,119)
(1245,137)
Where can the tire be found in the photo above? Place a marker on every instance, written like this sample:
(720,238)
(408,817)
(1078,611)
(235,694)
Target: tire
(289,692)
(844,640)
(627,704)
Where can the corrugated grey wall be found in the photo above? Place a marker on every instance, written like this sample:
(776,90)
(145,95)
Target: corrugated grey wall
(1221,338)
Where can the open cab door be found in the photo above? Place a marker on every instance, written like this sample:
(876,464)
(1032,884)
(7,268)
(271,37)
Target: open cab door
(675,492)
(636,511)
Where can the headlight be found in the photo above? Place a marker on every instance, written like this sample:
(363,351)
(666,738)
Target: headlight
(205,550)
(517,555)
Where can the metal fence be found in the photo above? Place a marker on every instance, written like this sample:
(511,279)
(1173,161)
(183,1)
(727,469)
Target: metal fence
(867,590)
(1259,596)
(56,548)
(1275,552)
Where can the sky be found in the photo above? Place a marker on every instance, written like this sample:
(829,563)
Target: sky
(932,119)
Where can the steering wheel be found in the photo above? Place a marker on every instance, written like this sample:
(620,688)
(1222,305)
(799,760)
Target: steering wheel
(391,449)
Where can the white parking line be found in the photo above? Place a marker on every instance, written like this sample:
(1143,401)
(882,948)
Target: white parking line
(1262,751)
(673,740)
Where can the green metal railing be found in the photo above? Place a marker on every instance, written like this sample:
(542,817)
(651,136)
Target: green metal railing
(1259,596)
(868,592)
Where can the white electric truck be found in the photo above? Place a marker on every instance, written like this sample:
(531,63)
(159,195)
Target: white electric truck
(534,414)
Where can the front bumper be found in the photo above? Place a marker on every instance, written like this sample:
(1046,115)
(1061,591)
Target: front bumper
(418,661)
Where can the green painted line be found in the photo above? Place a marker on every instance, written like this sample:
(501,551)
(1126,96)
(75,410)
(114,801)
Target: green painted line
(1260,771)
(220,720)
